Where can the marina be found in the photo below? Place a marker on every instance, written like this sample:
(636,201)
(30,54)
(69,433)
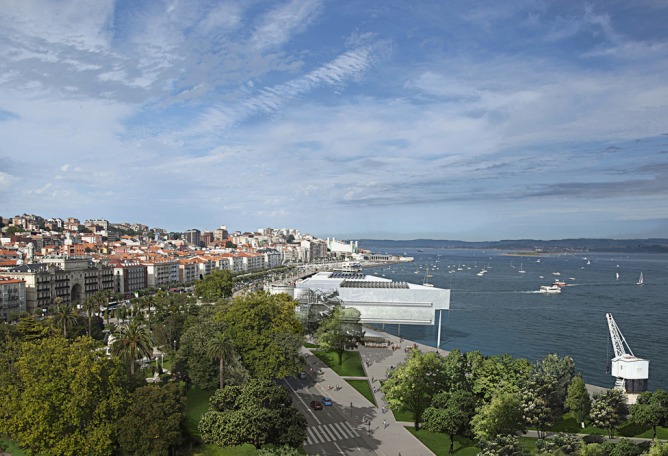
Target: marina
(502,311)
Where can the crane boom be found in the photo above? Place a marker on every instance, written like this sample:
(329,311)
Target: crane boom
(619,344)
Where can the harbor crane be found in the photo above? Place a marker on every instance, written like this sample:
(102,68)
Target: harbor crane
(630,371)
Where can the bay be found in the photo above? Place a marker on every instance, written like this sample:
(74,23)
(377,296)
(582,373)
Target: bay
(503,312)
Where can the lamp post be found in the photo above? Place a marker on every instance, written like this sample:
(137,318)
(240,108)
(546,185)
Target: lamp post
(369,422)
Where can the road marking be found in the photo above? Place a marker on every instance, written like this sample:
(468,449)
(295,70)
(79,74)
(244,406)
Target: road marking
(331,432)
(301,400)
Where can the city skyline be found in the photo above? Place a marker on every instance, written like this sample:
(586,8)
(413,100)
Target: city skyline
(543,120)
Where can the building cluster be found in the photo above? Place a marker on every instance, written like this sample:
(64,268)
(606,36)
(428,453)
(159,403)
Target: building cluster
(43,259)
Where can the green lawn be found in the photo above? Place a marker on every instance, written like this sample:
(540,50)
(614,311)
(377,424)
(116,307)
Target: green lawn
(403,415)
(197,402)
(439,444)
(351,365)
(12,447)
(310,345)
(568,424)
(363,387)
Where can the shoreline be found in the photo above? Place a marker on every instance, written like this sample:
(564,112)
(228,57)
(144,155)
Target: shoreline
(592,389)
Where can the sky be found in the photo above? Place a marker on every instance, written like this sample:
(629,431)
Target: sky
(386,119)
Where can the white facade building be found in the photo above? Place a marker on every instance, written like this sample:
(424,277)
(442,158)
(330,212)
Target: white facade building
(379,300)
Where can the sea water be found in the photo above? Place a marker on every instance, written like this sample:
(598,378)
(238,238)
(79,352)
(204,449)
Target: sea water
(502,311)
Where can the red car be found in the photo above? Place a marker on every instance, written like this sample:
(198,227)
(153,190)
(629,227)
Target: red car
(316,405)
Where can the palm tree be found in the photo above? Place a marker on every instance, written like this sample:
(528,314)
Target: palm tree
(133,342)
(90,305)
(221,348)
(63,314)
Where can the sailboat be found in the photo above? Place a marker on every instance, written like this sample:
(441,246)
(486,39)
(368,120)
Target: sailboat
(521,271)
(616,275)
(641,281)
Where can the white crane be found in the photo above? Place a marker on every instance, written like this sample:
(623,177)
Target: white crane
(631,372)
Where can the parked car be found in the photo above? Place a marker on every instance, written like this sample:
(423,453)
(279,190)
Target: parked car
(326,401)
(316,405)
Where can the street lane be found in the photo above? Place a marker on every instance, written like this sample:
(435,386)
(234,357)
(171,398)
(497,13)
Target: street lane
(329,430)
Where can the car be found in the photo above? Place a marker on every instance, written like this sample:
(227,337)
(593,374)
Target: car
(326,401)
(316,405)
(302,375)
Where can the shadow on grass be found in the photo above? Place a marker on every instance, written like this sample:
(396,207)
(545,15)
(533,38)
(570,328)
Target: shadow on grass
(351,364)
(439,444)
(364,389)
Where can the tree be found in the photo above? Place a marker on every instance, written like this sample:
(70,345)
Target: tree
(219,284)
(266,333)
(658,449)
(559,444)
(543,392)
(451,414)
(340,331)
(578,400)
(220,348)
(413,383)
(535,403)
(63,396)
(651,409)
(625,447)
(63,314)
(261,414)
(132,343)
(502,445)
(90,305)
(153,423)
(608,410)
(490,374)
(192,357)
(502,416)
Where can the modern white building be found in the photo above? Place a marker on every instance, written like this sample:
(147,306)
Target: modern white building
(378,299)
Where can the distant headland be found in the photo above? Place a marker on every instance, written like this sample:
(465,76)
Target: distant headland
(652,245)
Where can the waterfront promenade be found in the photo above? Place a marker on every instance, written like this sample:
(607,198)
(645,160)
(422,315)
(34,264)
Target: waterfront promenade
(384,435)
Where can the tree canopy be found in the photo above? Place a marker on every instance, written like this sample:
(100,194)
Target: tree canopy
(340,331)
(219,284)
(153,422)
(63,396)
(651,409)
(266,333)
(413,383)
(259,413)
(608,410)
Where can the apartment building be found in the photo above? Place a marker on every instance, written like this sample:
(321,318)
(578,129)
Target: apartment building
(12,297)
(162,272)
(71,279)
(130,277)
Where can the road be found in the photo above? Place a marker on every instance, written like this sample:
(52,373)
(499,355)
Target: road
(330,430)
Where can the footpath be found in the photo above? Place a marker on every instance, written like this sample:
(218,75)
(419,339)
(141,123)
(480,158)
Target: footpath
(374,422)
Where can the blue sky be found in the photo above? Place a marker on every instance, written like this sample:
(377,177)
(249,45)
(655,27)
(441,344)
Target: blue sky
(382,119)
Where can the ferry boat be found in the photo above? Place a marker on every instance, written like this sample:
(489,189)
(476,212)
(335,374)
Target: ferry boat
(558,283)
(550,289)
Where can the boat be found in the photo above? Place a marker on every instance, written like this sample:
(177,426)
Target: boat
(558,283)
(588,262)
(522,271)
(550,289)
(641,281)
(616,275)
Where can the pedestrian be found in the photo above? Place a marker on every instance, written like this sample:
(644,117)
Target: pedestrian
(384,424)
(383,409)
